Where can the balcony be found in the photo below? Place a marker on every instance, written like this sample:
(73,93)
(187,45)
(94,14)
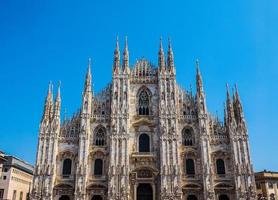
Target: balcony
(97,178)
(65,177)
(143,159)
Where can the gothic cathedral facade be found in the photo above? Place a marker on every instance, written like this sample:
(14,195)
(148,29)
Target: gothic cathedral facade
(143,138)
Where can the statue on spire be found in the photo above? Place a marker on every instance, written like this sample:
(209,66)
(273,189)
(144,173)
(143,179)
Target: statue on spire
(230,110)
(161,58)
(170,59)
(48,105)
(199,79)
(57,108)
(239,116)
(116,65)
(126,57)
(88,81)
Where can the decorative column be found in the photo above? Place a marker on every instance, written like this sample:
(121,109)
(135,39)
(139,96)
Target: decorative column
(170,174)
(204,138)
(82,170)
(119,161)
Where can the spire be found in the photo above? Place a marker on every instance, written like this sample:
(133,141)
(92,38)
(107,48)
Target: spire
(49,97)
(236,93)
(87,94)
(238,106)
(48,105)
(88,81)
(230,110)
(58,101)
(170,59)
(116,65)
(161,58)
(199,81)
(126,57)
(58,96)
(228,99)
(225,114)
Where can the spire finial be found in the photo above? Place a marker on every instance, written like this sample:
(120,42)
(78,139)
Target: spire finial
(88,81)
(89,66)
(198,66)
(199,78)
(228,95)
(238,106)
(225,113)
(89,62)
(50,92)
(58,97)
(117,43)
(161,58)
(48,105)
(228,90)
(170,59)
(116,65)
(230,110)
(236,92)
(126,57)
(49,87)
(169,43)
(160,45)
(58,101)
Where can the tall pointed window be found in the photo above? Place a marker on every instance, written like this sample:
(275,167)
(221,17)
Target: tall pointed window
(100,137)
(144,143)
(190,168)
(187,137)
(144,103)
(220,166)
(67,167)
(98,167)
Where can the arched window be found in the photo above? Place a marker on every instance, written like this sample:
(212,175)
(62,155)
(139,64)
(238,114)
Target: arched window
(67,167)
(192,197)
(220,166)
(187,137)
(223,197)
(144,143)
(144,103)
(98,167)
(190,167)
(100,137)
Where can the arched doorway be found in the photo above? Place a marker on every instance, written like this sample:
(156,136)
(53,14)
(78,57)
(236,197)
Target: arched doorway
(144,192)
(223,197)
(96,197)
(64,197)
(192,197)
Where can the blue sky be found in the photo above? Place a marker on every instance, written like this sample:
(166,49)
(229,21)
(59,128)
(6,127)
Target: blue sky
(235,41)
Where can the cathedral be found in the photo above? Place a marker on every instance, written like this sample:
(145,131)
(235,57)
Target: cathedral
(143,137)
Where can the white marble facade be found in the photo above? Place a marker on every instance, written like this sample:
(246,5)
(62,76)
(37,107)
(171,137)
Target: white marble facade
(143,138)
